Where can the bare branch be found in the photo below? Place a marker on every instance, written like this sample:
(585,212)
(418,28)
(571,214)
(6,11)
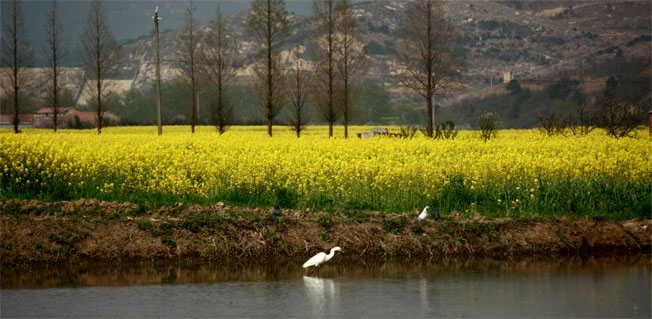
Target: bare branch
(297,80)
(187,58)
(268,22)
(427,55)
(218,57)
(351,60)
(53,51)
(325,42)
(16,54)
(100,56)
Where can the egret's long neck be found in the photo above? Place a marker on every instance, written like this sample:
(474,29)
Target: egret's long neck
(331,254)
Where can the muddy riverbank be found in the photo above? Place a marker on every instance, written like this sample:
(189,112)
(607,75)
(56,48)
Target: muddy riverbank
(90,230)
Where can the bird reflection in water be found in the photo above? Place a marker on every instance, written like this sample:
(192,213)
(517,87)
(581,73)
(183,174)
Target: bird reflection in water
(321,293)
(423,292)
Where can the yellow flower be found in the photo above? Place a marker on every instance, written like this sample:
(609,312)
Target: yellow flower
(132,160)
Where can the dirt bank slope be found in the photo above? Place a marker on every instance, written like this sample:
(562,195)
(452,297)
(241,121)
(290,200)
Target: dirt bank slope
(33,231)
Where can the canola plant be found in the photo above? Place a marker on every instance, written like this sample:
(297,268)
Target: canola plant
(520,172)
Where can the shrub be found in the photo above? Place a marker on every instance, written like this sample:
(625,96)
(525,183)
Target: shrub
(324,235)
(446,130)
(562,88)
(408,131)
(553,125)
(620,117)
(169,241)
(488,124)
(513,87)
(325,221)
(584,123)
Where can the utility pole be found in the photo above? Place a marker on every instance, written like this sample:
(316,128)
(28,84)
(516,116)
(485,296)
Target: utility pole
(158,74)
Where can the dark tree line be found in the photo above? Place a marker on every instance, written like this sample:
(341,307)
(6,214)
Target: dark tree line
(330,82)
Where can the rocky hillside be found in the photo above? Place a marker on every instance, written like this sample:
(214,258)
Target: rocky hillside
(532,39)
(528,38)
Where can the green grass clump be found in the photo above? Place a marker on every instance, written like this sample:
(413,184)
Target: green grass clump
(325,221)
(169,241)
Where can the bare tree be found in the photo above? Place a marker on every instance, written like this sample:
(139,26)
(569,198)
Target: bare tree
(325,17)
(296,87)
(620,117)
(351,58)
(219,59)
(267,22)
(100,55)
(17,54)
(53,52)
(585,122)
(187,58)
(426,57)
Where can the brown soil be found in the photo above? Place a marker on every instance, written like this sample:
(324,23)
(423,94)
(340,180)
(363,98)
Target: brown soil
(89,230)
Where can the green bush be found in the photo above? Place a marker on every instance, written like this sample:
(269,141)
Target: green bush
(169,241)
(325,221)
(488,124)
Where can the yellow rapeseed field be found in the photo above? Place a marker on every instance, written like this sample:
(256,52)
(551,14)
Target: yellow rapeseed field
(126,162)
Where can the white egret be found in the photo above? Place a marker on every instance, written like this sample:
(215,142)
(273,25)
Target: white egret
(423,214)
(320,258)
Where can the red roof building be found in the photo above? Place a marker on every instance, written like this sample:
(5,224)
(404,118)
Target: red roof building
(49,112)
(7,120)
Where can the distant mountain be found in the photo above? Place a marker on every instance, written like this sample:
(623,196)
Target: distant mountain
(530,39)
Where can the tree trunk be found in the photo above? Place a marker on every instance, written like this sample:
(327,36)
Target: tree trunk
(99,78)
(55,104)
(346,106)
(429,61)
(270,106)
(15,66)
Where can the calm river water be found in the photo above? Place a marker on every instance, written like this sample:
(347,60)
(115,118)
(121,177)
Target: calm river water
(552,287)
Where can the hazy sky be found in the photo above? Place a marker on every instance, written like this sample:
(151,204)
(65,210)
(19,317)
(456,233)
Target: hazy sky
(131,19)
